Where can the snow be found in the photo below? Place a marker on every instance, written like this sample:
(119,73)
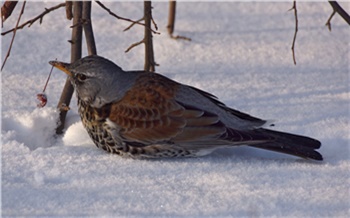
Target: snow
(239,52)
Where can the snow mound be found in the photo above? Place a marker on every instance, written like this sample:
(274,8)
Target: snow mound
(34,129)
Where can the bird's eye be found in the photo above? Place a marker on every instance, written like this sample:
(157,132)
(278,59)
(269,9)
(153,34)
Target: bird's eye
(81,77)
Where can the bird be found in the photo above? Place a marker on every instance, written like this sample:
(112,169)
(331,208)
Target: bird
(145,115)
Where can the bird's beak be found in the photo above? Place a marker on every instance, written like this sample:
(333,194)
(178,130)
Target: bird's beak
(62,66)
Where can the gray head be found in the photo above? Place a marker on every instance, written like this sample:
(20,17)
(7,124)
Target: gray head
(96,80)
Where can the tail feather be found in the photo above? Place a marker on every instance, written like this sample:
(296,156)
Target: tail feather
(296,145)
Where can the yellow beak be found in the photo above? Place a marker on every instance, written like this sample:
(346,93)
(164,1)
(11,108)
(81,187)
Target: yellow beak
(62,66)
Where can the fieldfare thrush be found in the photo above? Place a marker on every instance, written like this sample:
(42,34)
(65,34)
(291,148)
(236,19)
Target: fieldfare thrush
(143,114)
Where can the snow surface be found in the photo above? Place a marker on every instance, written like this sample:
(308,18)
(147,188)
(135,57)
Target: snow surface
(241,53)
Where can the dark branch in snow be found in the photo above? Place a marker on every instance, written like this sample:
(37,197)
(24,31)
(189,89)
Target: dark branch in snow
(134,45)
(337,9)
(150,64)
(14,34)
(87,27)
(180,37)
(39,17)
(131,25)
(328,24)
(171,22)
(69,10)
(296,29)
(147,40)
(76,51)
(122,18)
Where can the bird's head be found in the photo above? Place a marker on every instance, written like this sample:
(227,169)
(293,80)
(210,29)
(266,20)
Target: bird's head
(95,79)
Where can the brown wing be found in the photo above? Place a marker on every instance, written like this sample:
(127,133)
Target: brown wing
(149,114)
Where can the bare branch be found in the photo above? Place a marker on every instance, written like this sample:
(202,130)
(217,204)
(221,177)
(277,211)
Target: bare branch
(337,8)
(81,22)
(122,18)
(171,17)
(328,24)
(148,38)
(39,17)
(14,34)
(296,29)
(131,25)
(76,50)
(171,22)
(69,10)
(134,45)
(143,18)
(87,27)
(154,23)
(180,37)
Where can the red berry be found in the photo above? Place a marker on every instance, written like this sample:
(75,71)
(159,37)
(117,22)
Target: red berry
(42,98)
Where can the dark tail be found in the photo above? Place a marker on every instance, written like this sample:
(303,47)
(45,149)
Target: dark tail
(287,143)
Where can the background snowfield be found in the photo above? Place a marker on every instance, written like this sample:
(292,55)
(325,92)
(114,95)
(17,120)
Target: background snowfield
(239,52)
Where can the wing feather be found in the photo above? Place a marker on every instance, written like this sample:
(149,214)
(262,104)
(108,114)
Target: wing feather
(148,113)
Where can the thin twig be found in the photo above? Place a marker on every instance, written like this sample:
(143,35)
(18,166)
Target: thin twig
(134,45)
(48,78)
(81,23)
(39,17)
(296,29)
(154,23)
(14,34)
(122,18)
(131,25)
(180,37)
(337,9)
(328,24)
(171,22)
(69,10)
